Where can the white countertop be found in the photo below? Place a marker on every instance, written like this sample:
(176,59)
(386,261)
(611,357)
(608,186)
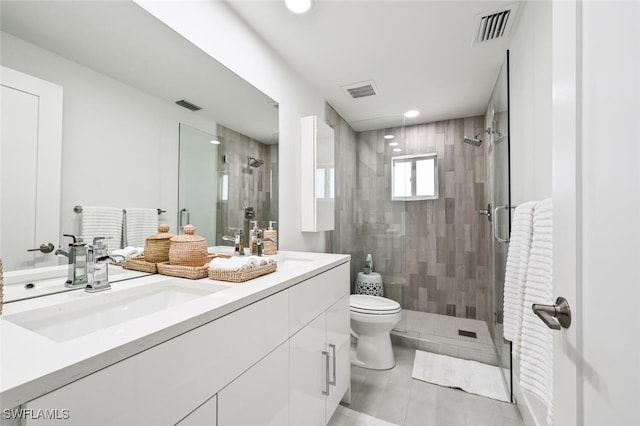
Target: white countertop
(32,365)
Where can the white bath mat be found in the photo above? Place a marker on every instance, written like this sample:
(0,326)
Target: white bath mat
(470,376)
(347,417)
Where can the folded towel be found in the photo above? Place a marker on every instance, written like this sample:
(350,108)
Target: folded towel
(129,251)
(139,224)
(516,273)
(102,222)
(536,344)
(237,263)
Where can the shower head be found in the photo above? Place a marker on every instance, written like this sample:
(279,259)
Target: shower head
(472,141)
(254,162)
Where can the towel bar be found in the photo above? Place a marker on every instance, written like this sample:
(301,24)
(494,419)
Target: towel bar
(78,209)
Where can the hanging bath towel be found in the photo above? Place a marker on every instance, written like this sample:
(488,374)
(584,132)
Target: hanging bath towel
(516,273)
(140,224)
(536,358)
(102,222)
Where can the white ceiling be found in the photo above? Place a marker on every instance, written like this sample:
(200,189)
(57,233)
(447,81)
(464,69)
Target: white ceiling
(419,53)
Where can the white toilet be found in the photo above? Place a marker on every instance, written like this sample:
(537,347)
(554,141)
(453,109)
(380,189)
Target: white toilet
(372,319)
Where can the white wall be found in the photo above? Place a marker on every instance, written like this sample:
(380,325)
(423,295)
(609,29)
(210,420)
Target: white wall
(119,144)
(530,103)
(217,30)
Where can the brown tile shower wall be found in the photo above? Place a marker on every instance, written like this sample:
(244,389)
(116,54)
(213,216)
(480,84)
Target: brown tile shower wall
(248,186)
(432,254)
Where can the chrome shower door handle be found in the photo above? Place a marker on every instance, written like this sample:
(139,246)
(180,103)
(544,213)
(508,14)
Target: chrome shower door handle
(333,349)
(496,222)
(326,370)
(554,316)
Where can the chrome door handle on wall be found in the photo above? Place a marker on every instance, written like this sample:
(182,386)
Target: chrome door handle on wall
(496,222)
(554,316)
(486,212)
(326,392)
(44,248)
(333,349)
(184,212)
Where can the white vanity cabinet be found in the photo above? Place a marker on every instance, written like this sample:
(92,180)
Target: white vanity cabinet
(320,369)
(266,363)
(163,384)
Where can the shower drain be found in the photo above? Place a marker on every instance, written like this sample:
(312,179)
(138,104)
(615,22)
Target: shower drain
(466,333)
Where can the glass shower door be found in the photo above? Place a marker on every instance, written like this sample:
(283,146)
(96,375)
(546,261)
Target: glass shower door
(502,210)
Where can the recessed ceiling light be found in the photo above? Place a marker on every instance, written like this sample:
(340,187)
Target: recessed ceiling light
(389,136)
(397,149)
(393,143)
(298,6)
(411,114)
(215,142)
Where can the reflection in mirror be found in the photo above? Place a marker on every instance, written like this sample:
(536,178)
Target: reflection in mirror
(226,184)
(120,121)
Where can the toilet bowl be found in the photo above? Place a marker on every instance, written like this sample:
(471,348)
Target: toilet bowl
(372,319)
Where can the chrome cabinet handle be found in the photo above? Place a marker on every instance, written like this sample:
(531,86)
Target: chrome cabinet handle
(326,392)
(554,316)
(333,349)
(495,223)
(44,248)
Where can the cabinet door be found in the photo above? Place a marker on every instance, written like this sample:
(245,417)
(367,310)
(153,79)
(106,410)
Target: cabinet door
(260,396)
(204,415)
(339,347)
(307,374)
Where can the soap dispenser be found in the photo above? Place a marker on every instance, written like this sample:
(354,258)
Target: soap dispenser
(270,239)
(253,237)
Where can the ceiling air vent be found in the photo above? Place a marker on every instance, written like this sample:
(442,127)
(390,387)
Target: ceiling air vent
(188,105)
(362,89)
(495,24)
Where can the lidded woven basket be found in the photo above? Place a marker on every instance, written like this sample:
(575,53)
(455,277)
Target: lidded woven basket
(188,249)
(156,247)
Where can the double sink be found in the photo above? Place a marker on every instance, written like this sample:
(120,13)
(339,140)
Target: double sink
(89,313)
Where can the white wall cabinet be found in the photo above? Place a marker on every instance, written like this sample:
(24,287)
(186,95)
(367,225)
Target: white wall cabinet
(317,166)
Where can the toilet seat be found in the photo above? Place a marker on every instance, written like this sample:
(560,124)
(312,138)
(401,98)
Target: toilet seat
(373,305)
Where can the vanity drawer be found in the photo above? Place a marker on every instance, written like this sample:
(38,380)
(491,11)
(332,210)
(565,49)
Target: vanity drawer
(161,385)
(310,298)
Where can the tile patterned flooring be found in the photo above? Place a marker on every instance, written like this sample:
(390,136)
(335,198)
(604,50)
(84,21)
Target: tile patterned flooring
(395,397)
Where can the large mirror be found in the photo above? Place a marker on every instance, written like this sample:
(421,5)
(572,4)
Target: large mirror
(122,71)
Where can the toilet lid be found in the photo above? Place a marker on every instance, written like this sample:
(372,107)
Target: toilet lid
(373,304)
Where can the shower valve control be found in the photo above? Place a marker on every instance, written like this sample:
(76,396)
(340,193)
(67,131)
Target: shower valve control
(249,213)
(486,212)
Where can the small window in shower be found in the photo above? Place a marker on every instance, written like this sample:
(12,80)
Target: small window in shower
(414,177)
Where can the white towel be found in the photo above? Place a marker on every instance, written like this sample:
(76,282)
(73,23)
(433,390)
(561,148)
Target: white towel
(536,345)
(102,222)
(236,263)
(140,224)
(129,251)
(516,273)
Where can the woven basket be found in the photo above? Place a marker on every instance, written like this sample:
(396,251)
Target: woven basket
(156,247)
(1,287)
(242,275)
(139,263)
(182,271)
(188,249)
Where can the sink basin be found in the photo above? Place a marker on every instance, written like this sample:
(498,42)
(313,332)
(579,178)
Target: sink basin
(286,261)
(70,320)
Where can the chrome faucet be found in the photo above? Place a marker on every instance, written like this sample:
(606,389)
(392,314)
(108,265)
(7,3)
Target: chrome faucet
(77,269)
(98,261)
(238,240)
